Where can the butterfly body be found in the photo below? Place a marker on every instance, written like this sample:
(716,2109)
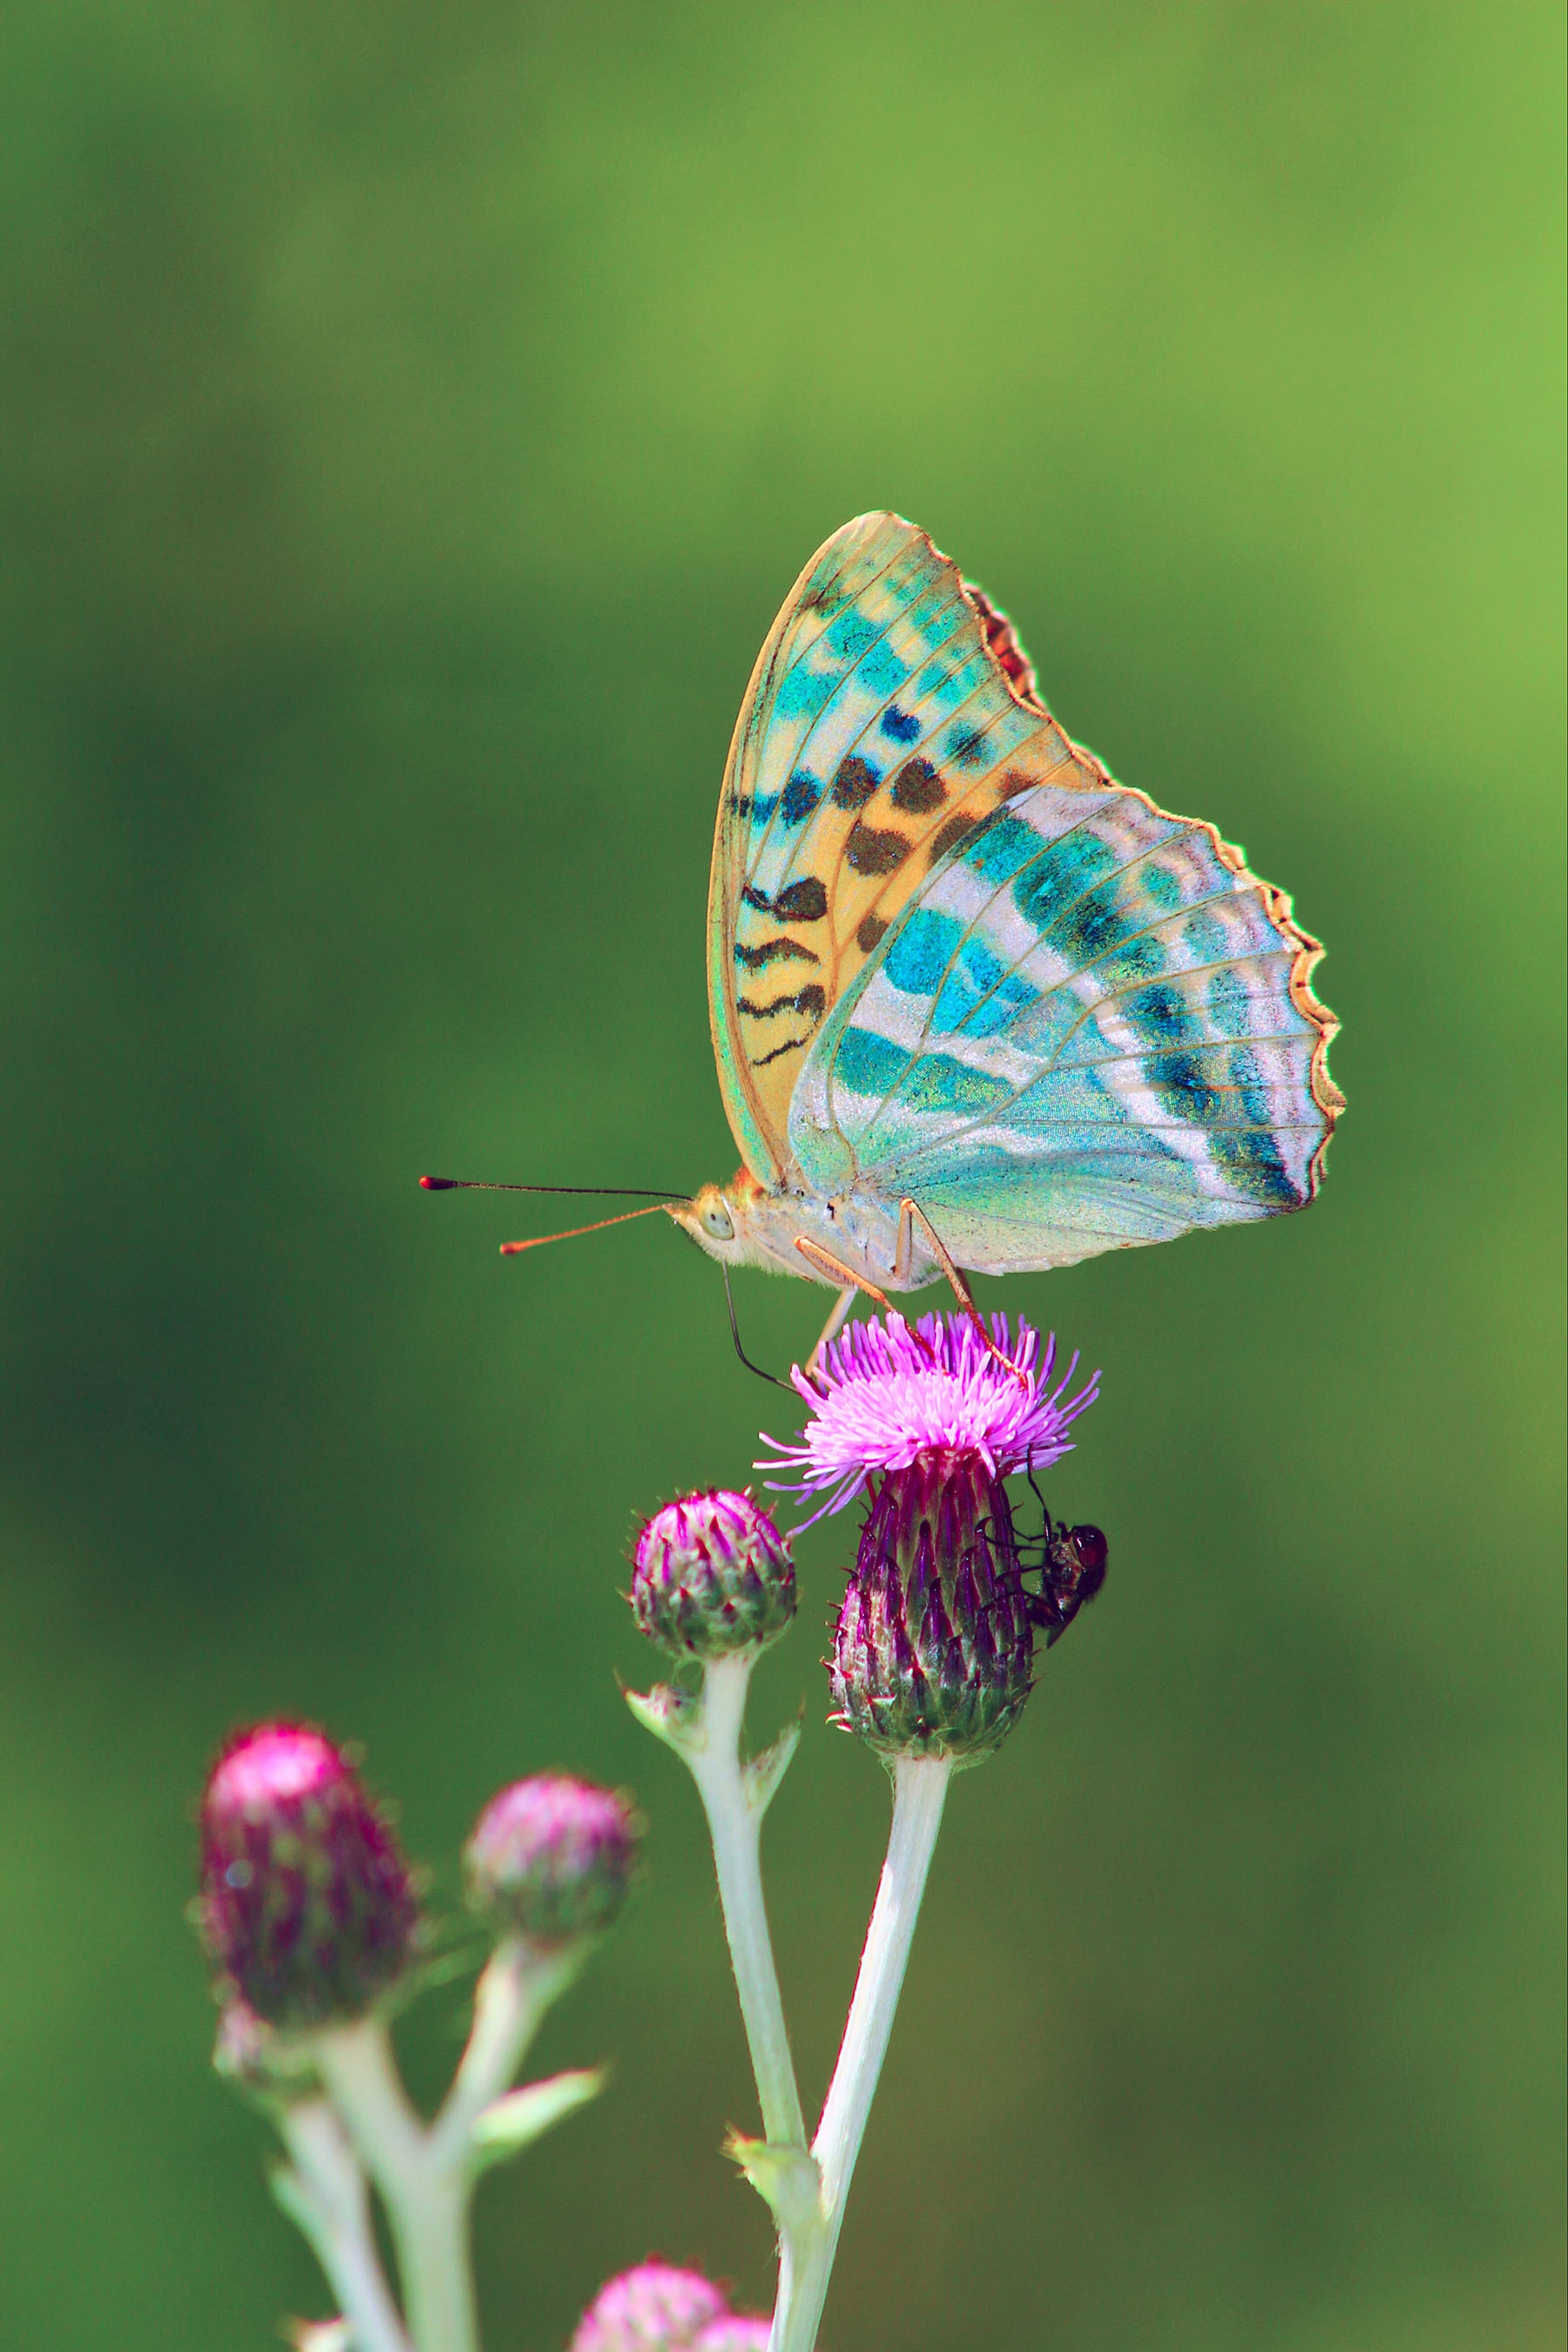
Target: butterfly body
(965,987)
(743,1223)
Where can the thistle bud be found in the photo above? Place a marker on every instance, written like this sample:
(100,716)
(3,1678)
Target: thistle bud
(307,1904)
(713,1575)
(654,2308)
(931,1655)
(551,1859)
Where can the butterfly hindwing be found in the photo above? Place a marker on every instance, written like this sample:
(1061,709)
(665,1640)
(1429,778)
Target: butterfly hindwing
(890,712)
(1092,1028)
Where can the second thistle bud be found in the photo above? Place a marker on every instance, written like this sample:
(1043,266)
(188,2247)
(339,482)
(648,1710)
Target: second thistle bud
(551,1859)
(712,1576)
(307,1904)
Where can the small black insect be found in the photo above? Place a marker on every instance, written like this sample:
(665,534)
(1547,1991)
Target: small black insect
(1070,1564)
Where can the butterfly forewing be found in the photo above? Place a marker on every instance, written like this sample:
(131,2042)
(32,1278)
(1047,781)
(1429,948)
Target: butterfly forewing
(890,712)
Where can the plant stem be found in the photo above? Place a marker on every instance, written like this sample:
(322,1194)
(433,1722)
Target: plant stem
(426,2201)
(426,2173)
(324,2189)
(518,1986)
(735,1823)
(919,1792)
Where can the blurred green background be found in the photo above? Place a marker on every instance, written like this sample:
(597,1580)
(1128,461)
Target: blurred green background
(411,419)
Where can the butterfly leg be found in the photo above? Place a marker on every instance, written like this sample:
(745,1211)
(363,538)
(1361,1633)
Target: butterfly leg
(834,1322)
(908,1212)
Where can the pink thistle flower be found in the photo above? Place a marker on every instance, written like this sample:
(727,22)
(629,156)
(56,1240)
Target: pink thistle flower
(653,2308)
(891,1396)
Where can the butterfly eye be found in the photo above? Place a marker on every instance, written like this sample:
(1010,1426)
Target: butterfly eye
(718,1221)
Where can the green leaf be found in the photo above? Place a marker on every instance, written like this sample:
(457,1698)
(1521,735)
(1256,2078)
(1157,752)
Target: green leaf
(786,2178)
(764,1772)
(523,2117)
(670,1713)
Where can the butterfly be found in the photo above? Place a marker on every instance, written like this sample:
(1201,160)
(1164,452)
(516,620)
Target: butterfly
(975,1005)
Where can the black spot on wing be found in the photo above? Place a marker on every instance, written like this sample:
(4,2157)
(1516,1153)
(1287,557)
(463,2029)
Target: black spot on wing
(805,902)
(873,930)
(812,1001)
(868,851)
(798,800)
(918,788)
(854,784)
(773,951)
(948,837)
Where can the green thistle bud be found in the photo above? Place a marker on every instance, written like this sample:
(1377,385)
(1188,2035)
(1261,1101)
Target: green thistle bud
(713,1575)
(933,1651)
(307,1904)
(551,1859)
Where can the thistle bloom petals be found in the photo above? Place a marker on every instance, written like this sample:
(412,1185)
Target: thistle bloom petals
(891,1395)
(653,2308)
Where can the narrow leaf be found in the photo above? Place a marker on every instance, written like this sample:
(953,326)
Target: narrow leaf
(523,2116)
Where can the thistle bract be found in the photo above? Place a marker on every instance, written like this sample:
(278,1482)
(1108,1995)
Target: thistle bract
(654,2308)
(551,1858)
(307,1904)
(713,1575)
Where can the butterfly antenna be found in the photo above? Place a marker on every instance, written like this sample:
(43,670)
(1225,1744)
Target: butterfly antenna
(735,1329)
(585,1191)
(515,1249)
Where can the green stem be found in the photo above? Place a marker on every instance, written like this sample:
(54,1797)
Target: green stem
(324,2189)
(426,2201)
(919,1792)
(734,1808)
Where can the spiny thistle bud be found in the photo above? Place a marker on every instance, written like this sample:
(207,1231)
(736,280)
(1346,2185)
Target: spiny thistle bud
(654,2308)
(551,1858)
(713,1575)
(934,1647)
(934,1641)
(307,1904)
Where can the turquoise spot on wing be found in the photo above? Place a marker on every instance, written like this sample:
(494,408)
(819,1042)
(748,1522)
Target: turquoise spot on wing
(1205,937)
(937,684)
(1061,875)
(979,995)
(867,1063)
(998,852)
(1140,958)
(921,952)
(881,671)
(1229,1004)
(1163,1016)
(799,797)
(803,692)
(1164,887)
(1248,1081)
(851,635)
(942,1086)
(1253,1163)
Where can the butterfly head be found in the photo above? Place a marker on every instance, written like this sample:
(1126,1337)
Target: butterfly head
(717,1218)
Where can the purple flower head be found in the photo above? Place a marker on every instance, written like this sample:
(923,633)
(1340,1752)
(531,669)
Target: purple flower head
(711,1575)
(308,1906)
(891,1396)
(733,2334)
(551,1858)
(654,2308)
